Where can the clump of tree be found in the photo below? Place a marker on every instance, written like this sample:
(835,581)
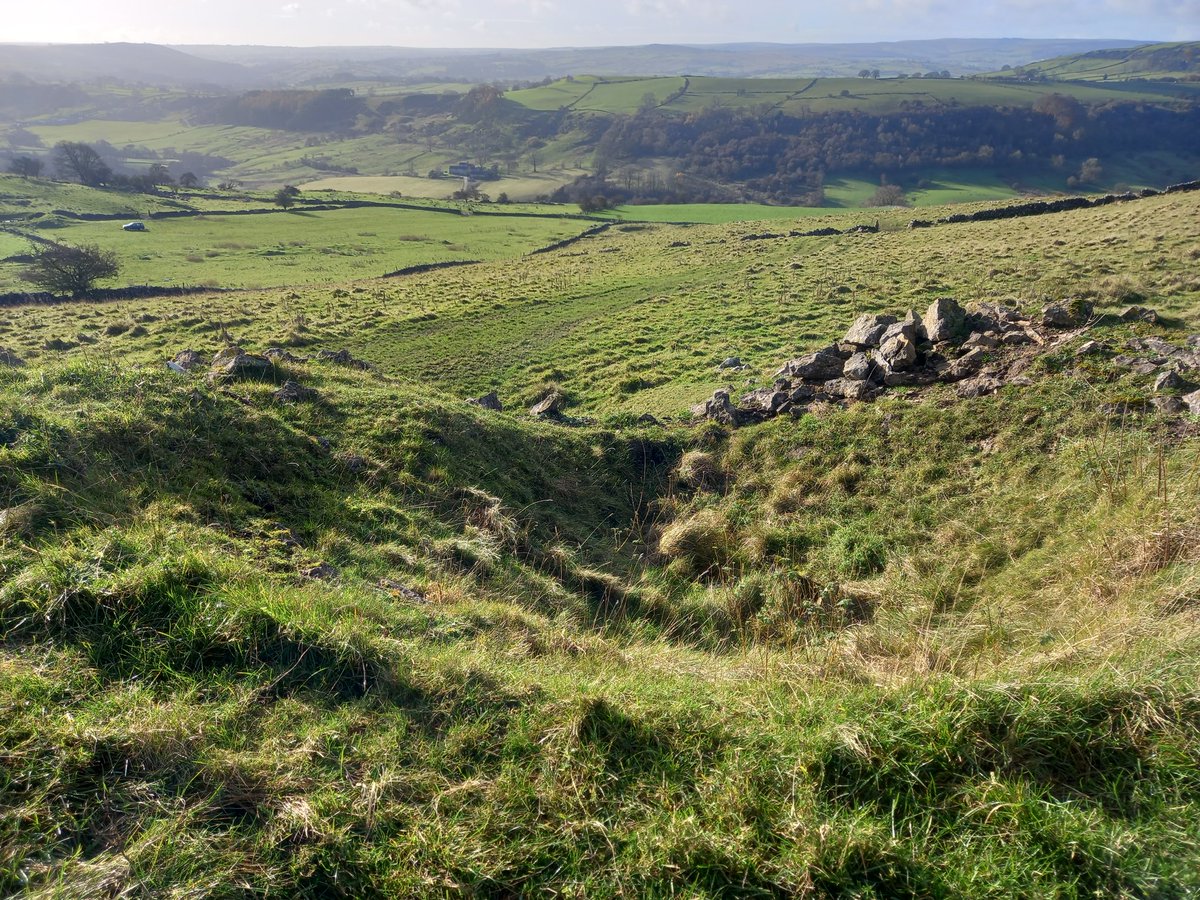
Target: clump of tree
(25,166)
(335,109)
(888,195)
(63,269)
(77,161)
(285,197)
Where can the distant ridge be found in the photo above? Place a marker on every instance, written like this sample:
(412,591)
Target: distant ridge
(262,66)
(1180,61)
(136,63)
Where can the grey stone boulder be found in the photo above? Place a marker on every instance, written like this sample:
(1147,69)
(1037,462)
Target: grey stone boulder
(731,362)
(802,392)
(1141,314)
(868,330)
(550,405)
(488,401)
(1068,314)
(10,359)
(234,362)
(1015,338)
(188,360)
(1192,402)
(278,355)
(294,392)
(913,318)
(859,367)
(718,408)
(1089,348)
(847,389)
(1171,380)
(945,320)
(1169,404)
(985,340)
(967,365)
(321,572)
(979,386)
(343,358)
(764,400)
(823,365)
(898,352)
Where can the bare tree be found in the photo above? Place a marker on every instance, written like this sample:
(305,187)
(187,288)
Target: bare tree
(82,163)
(27,166)
(63,269)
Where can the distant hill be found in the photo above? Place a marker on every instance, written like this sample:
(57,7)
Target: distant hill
(253,66)
(150,64)
(959,56)
(1178,61)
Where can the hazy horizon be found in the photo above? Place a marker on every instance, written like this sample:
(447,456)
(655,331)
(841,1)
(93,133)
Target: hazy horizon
(519,24)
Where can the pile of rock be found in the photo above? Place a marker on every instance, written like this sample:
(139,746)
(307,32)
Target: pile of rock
(979,350)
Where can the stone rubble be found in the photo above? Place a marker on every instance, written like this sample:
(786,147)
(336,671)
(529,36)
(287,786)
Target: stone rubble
(978,350)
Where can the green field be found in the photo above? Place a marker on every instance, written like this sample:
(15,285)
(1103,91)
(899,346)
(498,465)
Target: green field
(1145,63)
(797,95)
(382,642)
(520,188)
(298,247)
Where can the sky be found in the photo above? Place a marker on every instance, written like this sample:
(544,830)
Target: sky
(559,23)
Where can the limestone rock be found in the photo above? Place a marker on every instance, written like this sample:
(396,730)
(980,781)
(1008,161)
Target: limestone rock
(1169,404)
(10,359)
(293,392)
(967,365)
(1069,314)
(1089,348)
(1170,380)
(868,329)
(1192,402)
(321,572)
(979,386)
(233,362)
(858,367)
(847,389)
(823,365)
(188,360)
(550,405)
(981,340)
(765,400)
(898,353)
(945,320)
(490,401)
(731,362)
(278,355)
(1141,314)
(343,358)
(718,408)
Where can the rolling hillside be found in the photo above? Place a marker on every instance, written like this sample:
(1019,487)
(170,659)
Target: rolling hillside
(312,625)
(1149,62)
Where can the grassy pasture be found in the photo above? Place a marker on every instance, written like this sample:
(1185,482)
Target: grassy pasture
(636,320)
(1134,63)
(796,95)
(299,247)
(525,187)
(950,648)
